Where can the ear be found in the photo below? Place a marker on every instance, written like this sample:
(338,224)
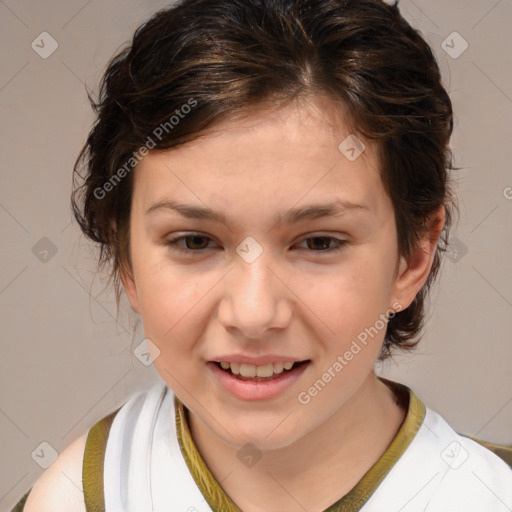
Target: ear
(126,276)
(413,274)
(130,288)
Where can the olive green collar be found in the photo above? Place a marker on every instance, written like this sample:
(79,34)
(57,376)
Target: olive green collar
(217,499)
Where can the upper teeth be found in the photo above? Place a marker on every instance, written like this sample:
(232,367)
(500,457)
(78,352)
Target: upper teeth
(250,370)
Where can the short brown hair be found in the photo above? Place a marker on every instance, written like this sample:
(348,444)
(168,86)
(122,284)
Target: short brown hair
(230,55)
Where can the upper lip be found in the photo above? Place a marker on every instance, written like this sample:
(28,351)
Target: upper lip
(256,361)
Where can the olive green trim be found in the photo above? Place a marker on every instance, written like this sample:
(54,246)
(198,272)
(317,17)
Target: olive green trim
(502,451)
(361,493)
(215,496)
(21,504)
(94,458)
(354,500)
(208,485)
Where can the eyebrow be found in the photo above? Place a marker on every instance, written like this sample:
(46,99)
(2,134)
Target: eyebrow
(293,216)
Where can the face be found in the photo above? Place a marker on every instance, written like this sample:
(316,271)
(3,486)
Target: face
(259,283)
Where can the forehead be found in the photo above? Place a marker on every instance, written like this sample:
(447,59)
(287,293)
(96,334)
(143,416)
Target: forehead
(300,152)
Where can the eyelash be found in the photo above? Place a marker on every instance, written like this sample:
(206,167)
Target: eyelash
(173,243)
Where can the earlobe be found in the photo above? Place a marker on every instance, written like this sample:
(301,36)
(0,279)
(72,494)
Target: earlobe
(413,273)
(129,287)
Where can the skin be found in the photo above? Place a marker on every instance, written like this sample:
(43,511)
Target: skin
(293,300)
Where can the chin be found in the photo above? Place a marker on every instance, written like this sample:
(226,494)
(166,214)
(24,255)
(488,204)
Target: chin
(264,435)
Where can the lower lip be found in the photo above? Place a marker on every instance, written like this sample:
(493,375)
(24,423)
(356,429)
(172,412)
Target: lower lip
(257,390)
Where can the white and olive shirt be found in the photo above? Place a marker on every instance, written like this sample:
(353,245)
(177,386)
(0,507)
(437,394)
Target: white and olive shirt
(136,460)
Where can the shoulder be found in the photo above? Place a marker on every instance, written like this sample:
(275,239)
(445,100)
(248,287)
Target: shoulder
(59,489)
(76,477)
(469,473)
(442,470)
(502,451)
(458,448)
(71,482)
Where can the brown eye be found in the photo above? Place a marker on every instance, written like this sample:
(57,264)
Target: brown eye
(196,242)
(320,242)
(193,242)
(323,243)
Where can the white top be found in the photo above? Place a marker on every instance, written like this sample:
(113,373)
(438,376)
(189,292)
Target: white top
(440,471)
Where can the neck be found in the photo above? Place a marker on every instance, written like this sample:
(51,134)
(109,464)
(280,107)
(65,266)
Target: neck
(318,469)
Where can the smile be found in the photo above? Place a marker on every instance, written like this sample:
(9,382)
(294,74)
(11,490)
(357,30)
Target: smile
(262,382)
(250,371)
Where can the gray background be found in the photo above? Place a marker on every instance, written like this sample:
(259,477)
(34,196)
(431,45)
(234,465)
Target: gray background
(66,363)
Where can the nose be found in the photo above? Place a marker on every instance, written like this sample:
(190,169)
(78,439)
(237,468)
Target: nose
(256,300)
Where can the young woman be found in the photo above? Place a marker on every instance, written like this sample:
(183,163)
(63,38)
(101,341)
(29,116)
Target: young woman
(269,180)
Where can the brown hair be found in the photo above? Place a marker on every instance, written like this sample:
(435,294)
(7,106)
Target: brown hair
(219,58)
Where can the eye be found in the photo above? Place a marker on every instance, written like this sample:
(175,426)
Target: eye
(196,242)
(322,242)
(192,241)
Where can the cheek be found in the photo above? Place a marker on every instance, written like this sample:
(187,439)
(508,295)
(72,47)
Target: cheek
(170,308)
(352,294)
(167,296)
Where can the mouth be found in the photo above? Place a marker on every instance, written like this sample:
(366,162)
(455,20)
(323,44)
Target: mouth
(262,373)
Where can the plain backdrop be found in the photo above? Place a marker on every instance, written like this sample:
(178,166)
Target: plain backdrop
(66,361)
